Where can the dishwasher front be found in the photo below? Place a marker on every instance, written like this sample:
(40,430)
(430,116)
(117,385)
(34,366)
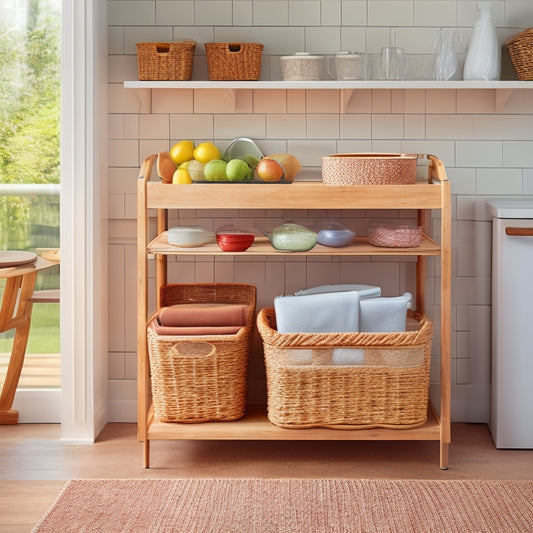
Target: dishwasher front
(512,323)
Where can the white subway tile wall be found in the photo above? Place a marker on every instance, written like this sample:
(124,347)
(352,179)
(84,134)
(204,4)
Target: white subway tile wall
(484,138)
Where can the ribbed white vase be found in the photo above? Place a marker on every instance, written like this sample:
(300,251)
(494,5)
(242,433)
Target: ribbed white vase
(483,59)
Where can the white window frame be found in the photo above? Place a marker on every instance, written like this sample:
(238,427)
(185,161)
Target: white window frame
(83,280)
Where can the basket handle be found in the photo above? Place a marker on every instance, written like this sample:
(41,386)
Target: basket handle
(193,349)
(162,48)
(234,47)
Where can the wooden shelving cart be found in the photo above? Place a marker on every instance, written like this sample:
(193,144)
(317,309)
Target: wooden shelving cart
(424,196)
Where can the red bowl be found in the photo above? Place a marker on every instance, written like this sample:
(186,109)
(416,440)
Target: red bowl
(235,242)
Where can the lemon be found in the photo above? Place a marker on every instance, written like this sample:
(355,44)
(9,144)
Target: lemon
(182,151)
(206,152)
(181,176)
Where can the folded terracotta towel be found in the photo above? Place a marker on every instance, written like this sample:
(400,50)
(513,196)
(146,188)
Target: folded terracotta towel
(203,315)
(194,330)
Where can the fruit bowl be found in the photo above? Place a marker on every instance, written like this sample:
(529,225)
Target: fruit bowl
(232,239)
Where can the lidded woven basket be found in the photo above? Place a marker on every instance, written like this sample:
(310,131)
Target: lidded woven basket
(157,61)
(369,169)
(234,61)
(520,48)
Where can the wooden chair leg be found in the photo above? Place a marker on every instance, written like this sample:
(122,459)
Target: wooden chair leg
(8,415)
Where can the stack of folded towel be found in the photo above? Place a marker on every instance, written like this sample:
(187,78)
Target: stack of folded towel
(200,319)
(338,309)
(341,308)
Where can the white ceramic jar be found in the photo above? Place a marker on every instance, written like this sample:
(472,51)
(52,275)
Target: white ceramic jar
(301,66)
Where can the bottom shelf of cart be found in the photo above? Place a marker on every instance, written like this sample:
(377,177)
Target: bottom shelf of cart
(254,425)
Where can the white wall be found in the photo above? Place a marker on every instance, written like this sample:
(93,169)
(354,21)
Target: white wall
(486,146)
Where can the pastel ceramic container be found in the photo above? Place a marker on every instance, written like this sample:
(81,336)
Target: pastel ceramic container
(232,239)
(189,236)
(301,66)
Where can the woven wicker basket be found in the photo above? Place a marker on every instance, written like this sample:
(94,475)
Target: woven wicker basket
(165,61)
(390,390)
(369,169)
(201,378)
(520,48)
(234,61)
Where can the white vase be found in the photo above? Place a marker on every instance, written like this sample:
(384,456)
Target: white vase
(483,58)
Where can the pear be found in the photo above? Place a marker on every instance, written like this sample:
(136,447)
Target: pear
(165,167)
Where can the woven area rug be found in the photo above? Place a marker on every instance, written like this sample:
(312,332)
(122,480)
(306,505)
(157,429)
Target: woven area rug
(290,505)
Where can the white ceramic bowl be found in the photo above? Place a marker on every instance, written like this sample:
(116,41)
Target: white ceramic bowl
(189,236)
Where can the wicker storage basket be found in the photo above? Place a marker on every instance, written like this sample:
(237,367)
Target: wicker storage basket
(520,48)
(390,389)
(165,61)
(201,378)
(369,169)
(234,61)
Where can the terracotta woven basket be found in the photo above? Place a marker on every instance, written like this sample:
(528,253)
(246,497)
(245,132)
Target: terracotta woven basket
(389,390)
(234,61)
(520,48)
(369,169)
(165,61)
(201,378)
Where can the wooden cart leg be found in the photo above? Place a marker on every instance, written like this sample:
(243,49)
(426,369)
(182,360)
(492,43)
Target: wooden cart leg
(146,453)
(444,455)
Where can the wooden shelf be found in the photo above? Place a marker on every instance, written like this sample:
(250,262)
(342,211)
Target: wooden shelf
(262,246)
(314,195)
(256,426)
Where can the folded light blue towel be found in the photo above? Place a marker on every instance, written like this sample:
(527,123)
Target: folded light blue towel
(328,312)
(384,314)
(365,291)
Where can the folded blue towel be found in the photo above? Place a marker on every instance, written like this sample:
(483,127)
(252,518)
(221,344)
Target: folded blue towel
(328,312)
(365,291)
(384,314)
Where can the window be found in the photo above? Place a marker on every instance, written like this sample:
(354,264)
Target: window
(30,106)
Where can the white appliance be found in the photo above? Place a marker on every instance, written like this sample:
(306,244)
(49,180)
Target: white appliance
(512,323)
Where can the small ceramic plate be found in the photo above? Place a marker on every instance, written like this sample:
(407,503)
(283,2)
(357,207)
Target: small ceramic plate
(16,258)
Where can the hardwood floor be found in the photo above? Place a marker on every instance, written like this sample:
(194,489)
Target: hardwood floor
(34,465)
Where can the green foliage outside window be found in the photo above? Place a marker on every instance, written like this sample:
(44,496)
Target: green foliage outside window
(30,106)
(30,82)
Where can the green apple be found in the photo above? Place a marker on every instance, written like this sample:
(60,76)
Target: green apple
(215,170)
(238,170)
(251,160)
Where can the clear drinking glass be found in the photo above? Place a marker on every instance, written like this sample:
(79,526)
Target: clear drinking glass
(392,63)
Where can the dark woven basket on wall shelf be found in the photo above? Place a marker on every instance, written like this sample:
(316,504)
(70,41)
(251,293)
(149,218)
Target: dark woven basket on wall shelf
(234,61)
(520,48)
(165,61)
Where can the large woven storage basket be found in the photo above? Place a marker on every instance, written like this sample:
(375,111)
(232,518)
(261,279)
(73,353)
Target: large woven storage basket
(369,169)
(520,48)
(165,61)
(234,61)
(390,389)
(201,378)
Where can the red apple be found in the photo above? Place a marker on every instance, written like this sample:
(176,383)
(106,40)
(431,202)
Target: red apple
(269,170)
